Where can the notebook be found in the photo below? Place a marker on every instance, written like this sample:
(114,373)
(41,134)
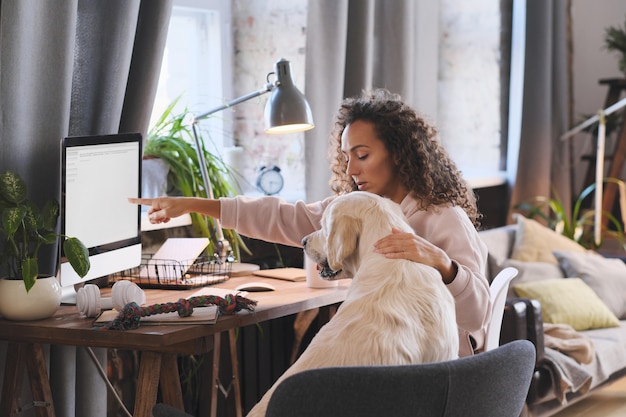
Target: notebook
(287,274)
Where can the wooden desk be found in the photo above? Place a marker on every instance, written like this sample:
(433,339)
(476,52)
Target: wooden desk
(159,344)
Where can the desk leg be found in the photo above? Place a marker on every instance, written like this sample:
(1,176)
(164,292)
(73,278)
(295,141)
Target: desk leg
(170,382)
(303,321)
(39,382)
(147,383)
(12,379)
(215,380)
(326,313)
(235,369)
(215,387)
(166,367)
(32,355)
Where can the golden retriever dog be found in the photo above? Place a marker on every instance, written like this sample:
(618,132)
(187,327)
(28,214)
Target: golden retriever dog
(396,311)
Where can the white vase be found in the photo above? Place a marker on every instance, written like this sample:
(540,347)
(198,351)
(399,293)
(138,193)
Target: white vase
(39,303)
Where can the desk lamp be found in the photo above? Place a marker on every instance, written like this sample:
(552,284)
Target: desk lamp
(286,111)
(600,117)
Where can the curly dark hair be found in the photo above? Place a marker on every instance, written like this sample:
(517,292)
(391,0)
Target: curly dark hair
(424,166)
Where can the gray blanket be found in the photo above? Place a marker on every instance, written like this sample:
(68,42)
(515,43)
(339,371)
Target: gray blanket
(567,374)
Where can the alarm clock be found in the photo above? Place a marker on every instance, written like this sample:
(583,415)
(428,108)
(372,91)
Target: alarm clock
(270,181)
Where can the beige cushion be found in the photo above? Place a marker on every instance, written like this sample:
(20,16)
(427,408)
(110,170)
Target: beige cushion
(531,271)
(568,301)
(499,241)
(535,242)
(605,276)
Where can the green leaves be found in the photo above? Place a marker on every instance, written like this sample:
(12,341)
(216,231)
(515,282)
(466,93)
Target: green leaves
(12,187)
(171,139)
(50,214)
(12,219)
(25,228)
(30,272)
(578,224)
(78,255)
(615,40)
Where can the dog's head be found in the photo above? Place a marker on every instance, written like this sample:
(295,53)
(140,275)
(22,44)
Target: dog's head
(350,226)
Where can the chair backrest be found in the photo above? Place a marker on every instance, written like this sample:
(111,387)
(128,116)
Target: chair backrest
(489,384)
(498,292)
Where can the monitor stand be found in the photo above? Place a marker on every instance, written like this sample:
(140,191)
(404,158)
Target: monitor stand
(68,295)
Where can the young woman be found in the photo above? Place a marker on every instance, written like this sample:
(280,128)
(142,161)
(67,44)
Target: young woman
(380,145)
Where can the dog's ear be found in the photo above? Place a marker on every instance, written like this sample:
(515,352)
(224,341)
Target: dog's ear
(342,240)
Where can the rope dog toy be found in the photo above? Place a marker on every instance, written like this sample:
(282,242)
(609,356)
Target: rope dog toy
(130,316)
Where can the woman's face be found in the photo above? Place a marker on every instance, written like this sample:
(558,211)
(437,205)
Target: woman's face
(369,163)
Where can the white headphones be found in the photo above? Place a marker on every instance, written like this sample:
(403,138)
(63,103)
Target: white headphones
(90,303)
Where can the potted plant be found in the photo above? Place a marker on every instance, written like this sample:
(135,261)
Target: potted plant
(578,224)
(24,230)
(171,140)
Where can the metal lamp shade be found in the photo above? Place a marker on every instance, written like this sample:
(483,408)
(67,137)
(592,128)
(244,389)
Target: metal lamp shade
(287,109)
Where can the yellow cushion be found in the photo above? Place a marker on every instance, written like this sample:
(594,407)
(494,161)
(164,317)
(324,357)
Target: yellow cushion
(568,301)
(535,242)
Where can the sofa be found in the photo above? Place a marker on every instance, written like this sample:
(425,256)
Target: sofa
(570,303)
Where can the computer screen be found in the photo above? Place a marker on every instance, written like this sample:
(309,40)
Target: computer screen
(98,175)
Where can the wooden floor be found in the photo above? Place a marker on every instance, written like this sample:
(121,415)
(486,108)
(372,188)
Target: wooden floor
(610,401)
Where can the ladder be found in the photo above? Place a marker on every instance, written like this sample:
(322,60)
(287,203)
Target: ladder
(614,161)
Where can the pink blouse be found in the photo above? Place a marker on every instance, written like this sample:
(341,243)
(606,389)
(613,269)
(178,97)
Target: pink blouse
(272,219)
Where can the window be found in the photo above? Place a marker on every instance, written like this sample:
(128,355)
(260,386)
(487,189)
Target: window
(197,65)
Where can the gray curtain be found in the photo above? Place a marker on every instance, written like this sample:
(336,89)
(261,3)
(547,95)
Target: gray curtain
(73,68)
(538,161)
(350,48)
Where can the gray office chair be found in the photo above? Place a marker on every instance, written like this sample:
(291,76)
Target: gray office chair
(490,384)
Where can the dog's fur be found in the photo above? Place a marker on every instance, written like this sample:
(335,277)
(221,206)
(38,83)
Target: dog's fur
(396,311)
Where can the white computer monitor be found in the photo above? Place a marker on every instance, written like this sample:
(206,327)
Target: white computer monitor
(98,174)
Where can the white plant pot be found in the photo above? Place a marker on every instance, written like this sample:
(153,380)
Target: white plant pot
(39,303)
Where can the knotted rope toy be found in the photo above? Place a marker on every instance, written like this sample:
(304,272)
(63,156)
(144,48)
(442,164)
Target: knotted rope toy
(130,316)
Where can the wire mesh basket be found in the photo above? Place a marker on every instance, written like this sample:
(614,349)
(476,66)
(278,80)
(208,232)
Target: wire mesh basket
(175,274)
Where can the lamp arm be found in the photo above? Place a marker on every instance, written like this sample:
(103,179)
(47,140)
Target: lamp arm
(225,247)
(223,250)
(268,87)
(595,118)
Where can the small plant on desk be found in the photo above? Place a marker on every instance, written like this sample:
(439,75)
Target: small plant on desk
(25,228)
